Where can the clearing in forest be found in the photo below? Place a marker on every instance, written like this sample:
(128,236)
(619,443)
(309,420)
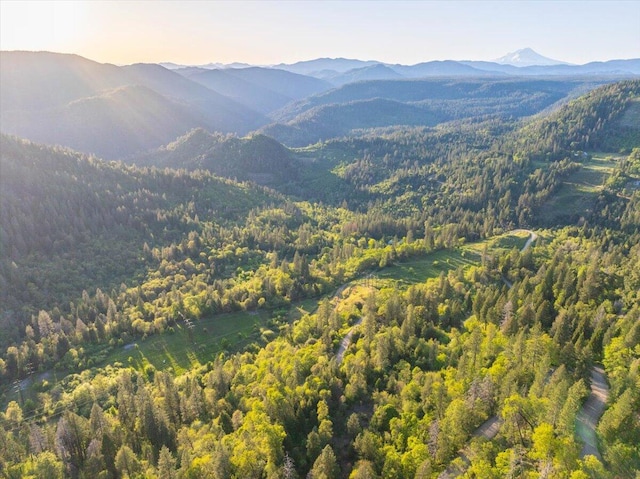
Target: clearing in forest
(580,189)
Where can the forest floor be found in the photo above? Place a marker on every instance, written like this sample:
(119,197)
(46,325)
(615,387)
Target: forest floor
(591,412)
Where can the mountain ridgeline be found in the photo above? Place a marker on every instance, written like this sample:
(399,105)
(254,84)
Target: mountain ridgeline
(72,101)
(429,102)
(118,112)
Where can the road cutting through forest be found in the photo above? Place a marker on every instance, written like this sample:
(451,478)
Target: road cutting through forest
(591,412)
(586,421)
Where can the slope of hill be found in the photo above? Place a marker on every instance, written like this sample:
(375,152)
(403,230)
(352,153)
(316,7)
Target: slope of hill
(220,112)
(42,80)
(70,223)
(257,158)
(372,72)
(283,82)
(434,89)
(446,68)
(415,102)
(261,89)
(113,124)
(331,121)
(36,86)
(242,91)
(333,65)
(597,120)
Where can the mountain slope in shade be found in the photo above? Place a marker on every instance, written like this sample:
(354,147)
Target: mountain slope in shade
(336,65)
(284,82)
(526,57)
(437,68)
(220,112)
(242,91)
(330,121)
(112,125)
(261,89)
(466,91)
(37,87)
(372,72)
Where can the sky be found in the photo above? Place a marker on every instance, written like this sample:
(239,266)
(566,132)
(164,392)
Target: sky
(272,32)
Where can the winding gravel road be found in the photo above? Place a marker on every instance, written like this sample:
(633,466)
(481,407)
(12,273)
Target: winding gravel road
(591,412)
(346,341)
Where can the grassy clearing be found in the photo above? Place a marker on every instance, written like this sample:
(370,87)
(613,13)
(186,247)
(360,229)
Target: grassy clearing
(500,243)
(183,349)
(430,266)
(581,188)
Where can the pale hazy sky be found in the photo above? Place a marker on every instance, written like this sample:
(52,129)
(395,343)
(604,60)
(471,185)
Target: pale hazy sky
(263,32)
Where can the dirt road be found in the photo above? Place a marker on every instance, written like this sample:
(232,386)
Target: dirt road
(591,412)
(346,341)
(487,430)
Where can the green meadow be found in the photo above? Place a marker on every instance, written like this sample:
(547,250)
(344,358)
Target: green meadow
(580,189)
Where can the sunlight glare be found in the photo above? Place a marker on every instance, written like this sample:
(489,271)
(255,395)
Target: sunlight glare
(46,25)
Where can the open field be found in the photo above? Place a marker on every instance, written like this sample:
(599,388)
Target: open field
(183,349)
(504,242)
(581,188)
(419,269)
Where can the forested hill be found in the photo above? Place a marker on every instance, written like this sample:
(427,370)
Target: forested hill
(450,88)
(257,158)
(604,119)
(370,104)
(161,322)
(71,223)
(334,121)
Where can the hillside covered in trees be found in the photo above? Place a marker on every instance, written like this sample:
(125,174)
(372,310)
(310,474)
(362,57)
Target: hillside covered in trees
(362,307)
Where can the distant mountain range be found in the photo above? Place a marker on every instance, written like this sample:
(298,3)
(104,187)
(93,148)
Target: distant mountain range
(261,89)
(525,61)
(105,109)
(522,63)
(118,112)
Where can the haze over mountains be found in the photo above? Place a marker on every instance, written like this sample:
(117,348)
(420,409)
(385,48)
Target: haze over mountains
(513,63)
(76,102)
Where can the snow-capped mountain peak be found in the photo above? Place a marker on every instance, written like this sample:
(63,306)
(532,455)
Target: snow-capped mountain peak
(526,57)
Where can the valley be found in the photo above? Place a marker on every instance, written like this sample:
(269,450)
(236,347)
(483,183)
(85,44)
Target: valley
(377,271)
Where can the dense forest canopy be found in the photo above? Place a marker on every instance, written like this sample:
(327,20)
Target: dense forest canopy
(406,300)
